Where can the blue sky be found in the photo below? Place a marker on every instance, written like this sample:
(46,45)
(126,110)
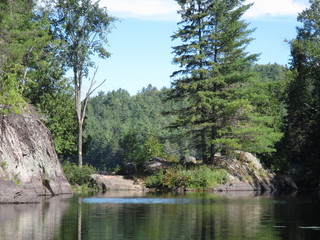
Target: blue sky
(141,43)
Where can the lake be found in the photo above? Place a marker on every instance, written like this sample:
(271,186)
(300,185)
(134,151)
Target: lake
(129,215)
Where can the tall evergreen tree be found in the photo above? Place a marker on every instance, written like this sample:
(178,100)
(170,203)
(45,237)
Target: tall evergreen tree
(303,103)
(215,72)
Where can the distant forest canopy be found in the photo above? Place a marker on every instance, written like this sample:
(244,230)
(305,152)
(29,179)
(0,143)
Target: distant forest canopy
(220,99)
(121,128)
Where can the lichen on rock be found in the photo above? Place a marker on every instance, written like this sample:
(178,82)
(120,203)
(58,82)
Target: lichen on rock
(247,174)
(28,159)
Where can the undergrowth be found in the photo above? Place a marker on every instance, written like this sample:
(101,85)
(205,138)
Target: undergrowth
(202,177)
(79,178)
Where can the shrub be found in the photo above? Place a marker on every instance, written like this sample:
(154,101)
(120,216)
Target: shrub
(155,181)
(201,177)
(76,175)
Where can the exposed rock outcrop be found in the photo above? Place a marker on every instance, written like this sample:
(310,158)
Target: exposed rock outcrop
(247,174)
(105,182)
(156,164)
(29,166)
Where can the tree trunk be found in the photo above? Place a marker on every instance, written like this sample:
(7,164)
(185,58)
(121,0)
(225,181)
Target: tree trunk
(204,147)
(80,122)
(213,146)
(80,133)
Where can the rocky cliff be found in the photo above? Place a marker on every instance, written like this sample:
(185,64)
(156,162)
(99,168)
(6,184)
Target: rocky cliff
(29,166)
(247,174)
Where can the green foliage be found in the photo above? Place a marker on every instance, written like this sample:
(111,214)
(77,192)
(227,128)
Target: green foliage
(122,128)
(77,175)
(201,177)
(155,180)
(32,69)
(10,96)
(15,24)
(82,28)
(55,102)
(302,133)
(215,78)
(88,24)
(140,151)
(151,148)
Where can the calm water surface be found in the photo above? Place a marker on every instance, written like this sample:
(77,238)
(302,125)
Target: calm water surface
(138,216)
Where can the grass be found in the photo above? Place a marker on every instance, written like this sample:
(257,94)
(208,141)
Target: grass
(200,177)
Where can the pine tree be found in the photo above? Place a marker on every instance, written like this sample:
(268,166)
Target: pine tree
(215,72)
(303,102)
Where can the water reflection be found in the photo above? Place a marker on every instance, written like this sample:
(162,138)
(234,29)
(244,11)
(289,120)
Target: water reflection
(136,200)
(204,216)
(31,221)
(137,215)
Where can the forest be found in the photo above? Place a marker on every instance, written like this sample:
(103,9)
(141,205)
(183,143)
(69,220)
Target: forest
(220,100)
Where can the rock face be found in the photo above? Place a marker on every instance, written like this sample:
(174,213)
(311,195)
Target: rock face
(247,174)
(29,166)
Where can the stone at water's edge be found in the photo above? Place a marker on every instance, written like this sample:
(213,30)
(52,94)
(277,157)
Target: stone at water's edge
(105,182)
(29,165)
(246,173)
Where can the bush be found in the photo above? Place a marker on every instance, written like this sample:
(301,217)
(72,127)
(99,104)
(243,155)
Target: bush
(201,177)
(155,181)
(76,175)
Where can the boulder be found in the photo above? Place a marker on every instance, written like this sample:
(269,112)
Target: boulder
(29,165)
(247,174)
(156,164)
(116,182)
(188,160)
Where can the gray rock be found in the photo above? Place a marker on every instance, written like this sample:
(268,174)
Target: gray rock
(188,160)
(107,182)
(247,174)
(28,159)
(156,164)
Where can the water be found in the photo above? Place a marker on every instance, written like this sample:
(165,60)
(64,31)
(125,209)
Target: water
(138,216)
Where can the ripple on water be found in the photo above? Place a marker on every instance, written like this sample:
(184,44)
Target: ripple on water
(136,200)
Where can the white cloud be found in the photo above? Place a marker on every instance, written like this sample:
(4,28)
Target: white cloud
(167,9)
(275,8)
(143,9)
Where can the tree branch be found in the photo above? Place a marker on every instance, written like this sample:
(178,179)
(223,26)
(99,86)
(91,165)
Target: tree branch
(309,106)
(89,92)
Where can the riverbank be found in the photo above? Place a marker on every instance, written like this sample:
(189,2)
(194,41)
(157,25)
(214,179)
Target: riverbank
(243,172)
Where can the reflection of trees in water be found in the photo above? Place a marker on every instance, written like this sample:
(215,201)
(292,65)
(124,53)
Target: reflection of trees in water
(31,221)
(297,212)
(207,217)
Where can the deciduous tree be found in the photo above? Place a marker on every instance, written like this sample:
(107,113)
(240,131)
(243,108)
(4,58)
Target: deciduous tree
(82,26)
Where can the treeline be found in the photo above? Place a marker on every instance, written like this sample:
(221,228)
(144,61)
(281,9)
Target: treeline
(121,128)
(220,100)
